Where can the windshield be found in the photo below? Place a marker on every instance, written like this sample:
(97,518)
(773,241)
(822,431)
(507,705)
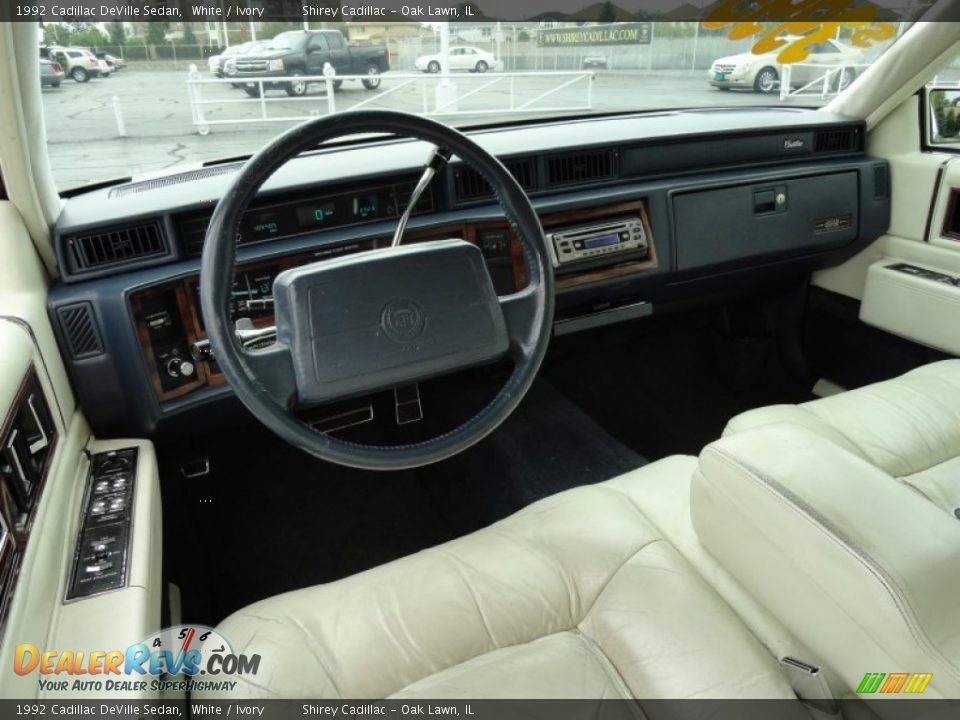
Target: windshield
(166,105)
(286,41)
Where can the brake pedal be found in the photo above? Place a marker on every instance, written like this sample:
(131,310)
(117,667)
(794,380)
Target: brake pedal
(195,467)
(407,404)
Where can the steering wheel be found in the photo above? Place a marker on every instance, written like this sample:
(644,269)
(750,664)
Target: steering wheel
(383,318)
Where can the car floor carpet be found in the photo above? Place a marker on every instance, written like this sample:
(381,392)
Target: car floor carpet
(668,386)
(269,518)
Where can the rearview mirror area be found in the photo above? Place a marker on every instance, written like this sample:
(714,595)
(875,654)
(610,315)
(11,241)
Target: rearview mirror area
(943,105)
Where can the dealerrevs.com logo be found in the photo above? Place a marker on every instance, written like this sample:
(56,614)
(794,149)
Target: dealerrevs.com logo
(182,651)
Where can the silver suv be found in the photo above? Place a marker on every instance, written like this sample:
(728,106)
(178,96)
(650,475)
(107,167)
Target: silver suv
(78,63)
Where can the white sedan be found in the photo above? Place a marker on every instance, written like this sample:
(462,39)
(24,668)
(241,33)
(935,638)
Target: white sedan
(461,58)
(761,73)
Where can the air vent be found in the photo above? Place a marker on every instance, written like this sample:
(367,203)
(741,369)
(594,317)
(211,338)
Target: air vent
(580,167)
(155,183)
(838,140)
(80,330)
(115,247)
(192,233)
(470,185)
(880,182)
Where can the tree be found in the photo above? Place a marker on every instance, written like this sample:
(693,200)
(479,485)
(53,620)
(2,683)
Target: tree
(76,27)
(608,13)
(56,35)
(118,36)
(156,33)
(949,127)
(90,37)
(188,37)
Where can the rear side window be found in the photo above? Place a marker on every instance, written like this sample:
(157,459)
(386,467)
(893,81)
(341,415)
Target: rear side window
(335,41)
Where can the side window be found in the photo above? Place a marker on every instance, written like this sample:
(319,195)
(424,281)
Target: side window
(822,48)
(317,42)
(942,108)
(75,54)
(335,41)
(944,129)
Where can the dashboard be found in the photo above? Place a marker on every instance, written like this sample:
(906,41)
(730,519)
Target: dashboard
(654,209)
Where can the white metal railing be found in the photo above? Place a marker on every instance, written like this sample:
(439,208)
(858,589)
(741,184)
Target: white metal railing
(833,79)
(427,94)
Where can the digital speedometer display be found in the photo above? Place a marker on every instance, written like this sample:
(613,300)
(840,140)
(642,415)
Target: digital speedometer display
(317,215)
(306,214)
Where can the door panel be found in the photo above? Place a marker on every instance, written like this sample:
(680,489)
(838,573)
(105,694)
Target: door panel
(45,451)
(23,296)
(908,281)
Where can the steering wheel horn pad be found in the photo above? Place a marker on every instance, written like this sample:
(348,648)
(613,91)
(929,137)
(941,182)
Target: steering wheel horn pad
(411,312)
(374,320)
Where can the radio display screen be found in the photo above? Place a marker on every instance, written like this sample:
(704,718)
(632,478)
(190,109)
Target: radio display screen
(602,241)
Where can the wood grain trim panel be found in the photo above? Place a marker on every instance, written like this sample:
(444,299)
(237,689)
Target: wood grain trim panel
(17,523)
(618,270)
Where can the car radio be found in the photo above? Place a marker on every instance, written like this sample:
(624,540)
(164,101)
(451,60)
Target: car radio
(612,240)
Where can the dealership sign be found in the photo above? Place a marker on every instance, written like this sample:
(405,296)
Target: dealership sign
(588,35)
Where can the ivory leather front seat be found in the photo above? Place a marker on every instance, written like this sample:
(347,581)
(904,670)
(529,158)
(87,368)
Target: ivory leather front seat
(908,427)
(576,596)
(862,569)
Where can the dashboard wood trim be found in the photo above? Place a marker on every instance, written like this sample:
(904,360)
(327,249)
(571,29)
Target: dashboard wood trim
(633,207)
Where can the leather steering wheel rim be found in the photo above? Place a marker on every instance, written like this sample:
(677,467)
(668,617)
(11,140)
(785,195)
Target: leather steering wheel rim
(530,309)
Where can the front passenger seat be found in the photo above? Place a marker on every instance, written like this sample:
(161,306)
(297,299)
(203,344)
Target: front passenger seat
(576,596)
(908,427)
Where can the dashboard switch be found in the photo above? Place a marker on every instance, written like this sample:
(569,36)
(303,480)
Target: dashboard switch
(179,368)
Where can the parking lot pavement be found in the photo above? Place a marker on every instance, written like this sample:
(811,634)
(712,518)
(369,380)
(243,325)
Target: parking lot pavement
(85,145)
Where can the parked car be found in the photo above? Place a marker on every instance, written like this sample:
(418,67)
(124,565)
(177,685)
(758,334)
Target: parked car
(305,52)
(106,70)
(591,62)
(216,63)
(761,73)
(228,67)
(79,63)
(51,74)
(463,57)
(113,61)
